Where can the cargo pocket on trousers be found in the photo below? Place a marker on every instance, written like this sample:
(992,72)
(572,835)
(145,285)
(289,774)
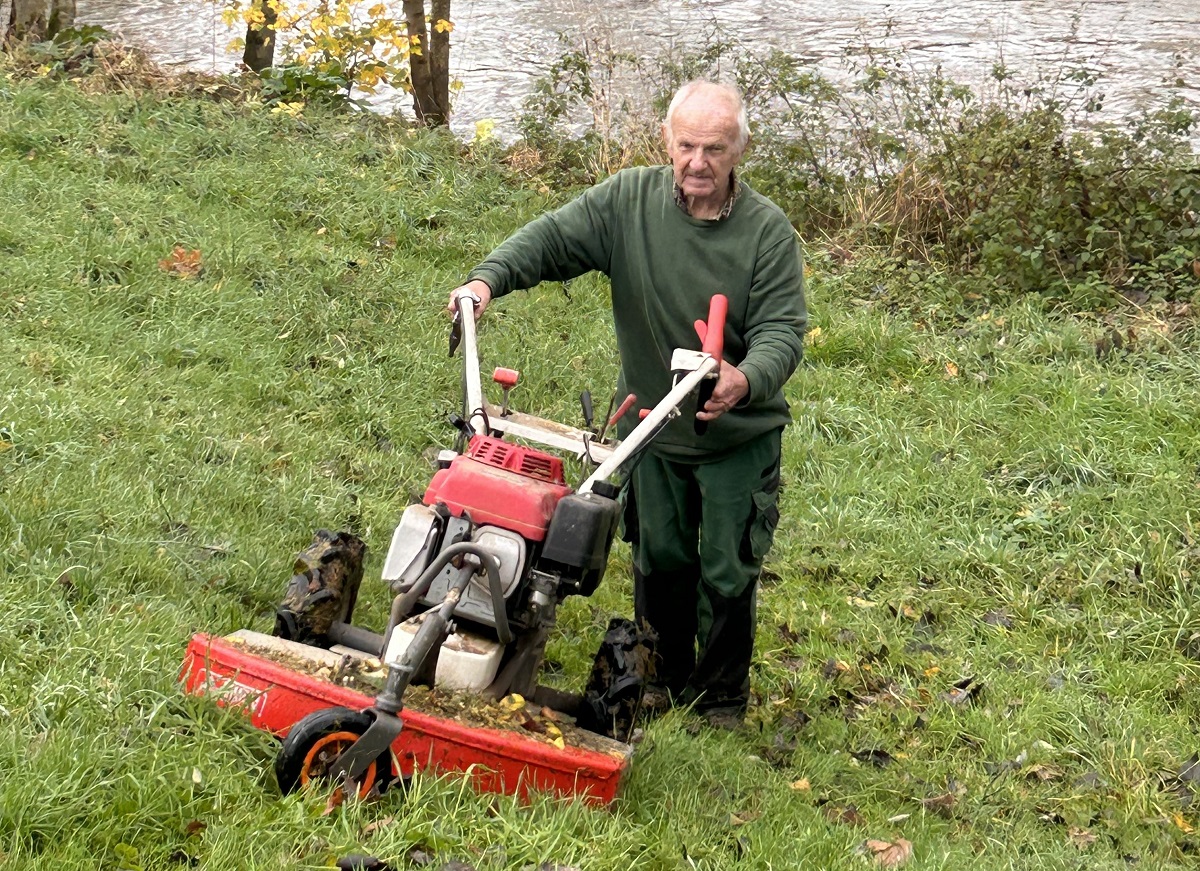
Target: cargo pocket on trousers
(764,517)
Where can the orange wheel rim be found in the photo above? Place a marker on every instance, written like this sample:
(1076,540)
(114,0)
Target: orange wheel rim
(324,751)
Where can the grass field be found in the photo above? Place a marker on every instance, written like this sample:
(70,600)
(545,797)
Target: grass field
(979,631)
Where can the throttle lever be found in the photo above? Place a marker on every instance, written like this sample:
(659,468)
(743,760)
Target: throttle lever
(589,412)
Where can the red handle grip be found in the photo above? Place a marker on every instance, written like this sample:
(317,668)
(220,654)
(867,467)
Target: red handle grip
(506,378)
(624,407)
(714,330)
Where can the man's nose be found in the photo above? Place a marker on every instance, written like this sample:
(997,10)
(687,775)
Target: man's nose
(698,161)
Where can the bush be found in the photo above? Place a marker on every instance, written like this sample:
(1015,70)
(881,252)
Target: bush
(1014,183)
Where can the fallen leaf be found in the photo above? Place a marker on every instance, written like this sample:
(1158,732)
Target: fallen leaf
(181,262)
(833,667)
(1181,824)
(846,814)
(359,862)
(371,828)
(740,819)
(874,756)
(963,692)
(335,801)
(1043,772)
(887,854)
(787,633)
(942,805)
(1080,838)
(511,703)
(951,369)
(195,827)
(801,785)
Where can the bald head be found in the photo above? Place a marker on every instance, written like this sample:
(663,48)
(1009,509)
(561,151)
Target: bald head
(712,98)
(705,134)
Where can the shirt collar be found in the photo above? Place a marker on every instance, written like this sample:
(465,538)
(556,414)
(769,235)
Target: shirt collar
(726,210)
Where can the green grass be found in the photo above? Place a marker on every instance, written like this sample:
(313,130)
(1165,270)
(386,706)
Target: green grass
(971,491)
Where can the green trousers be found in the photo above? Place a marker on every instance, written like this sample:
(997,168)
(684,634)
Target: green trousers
(699,533)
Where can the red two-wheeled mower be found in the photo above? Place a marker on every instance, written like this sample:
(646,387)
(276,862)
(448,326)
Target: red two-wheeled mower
(478,570)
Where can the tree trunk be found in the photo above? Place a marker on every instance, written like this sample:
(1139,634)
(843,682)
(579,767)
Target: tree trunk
(260,42)
(62,16)
(422,70)
(26,20)
(439,58)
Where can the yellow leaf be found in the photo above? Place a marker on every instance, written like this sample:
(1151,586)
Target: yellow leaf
(951,369)
(483,129)
(559,743)
(1181,823)
(801,785)
(443,26)
(512,702)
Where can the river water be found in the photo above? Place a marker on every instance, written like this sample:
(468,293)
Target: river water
(500,47)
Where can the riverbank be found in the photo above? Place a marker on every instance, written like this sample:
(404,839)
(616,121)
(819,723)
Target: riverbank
(501,49)
(223,329)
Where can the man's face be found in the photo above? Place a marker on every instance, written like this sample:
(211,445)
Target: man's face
(702,143)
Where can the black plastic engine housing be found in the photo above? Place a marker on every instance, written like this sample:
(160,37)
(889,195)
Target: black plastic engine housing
(579,538)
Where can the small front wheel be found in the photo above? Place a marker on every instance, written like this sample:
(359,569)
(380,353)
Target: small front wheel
(315,743)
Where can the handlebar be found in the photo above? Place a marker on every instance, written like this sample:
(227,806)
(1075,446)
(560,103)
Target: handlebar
(464,324)
(712,337)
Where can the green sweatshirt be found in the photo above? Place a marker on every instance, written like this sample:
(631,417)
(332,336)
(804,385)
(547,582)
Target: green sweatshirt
(664,266)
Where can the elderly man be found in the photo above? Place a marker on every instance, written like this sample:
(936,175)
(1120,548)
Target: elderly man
(700,507)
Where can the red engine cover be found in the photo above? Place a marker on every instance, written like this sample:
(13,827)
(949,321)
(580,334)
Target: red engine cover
(502,484)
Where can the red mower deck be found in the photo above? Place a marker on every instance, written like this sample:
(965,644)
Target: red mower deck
(276,697)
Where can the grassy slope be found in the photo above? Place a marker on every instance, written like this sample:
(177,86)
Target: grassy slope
(970,492)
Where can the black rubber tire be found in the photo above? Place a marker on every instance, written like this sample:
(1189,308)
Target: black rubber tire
(323,588)
(315,741)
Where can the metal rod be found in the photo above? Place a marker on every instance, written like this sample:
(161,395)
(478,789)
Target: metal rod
(403,604)
(472,386)
(357,638)
(645,430)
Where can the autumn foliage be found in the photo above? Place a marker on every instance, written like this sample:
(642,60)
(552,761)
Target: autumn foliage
(345,43)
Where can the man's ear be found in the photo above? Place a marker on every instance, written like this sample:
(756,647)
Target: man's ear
(666,135)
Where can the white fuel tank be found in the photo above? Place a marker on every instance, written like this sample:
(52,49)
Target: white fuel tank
(465,662)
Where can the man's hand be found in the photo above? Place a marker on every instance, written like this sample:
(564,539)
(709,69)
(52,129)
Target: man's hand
(477,289)
(731,388)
